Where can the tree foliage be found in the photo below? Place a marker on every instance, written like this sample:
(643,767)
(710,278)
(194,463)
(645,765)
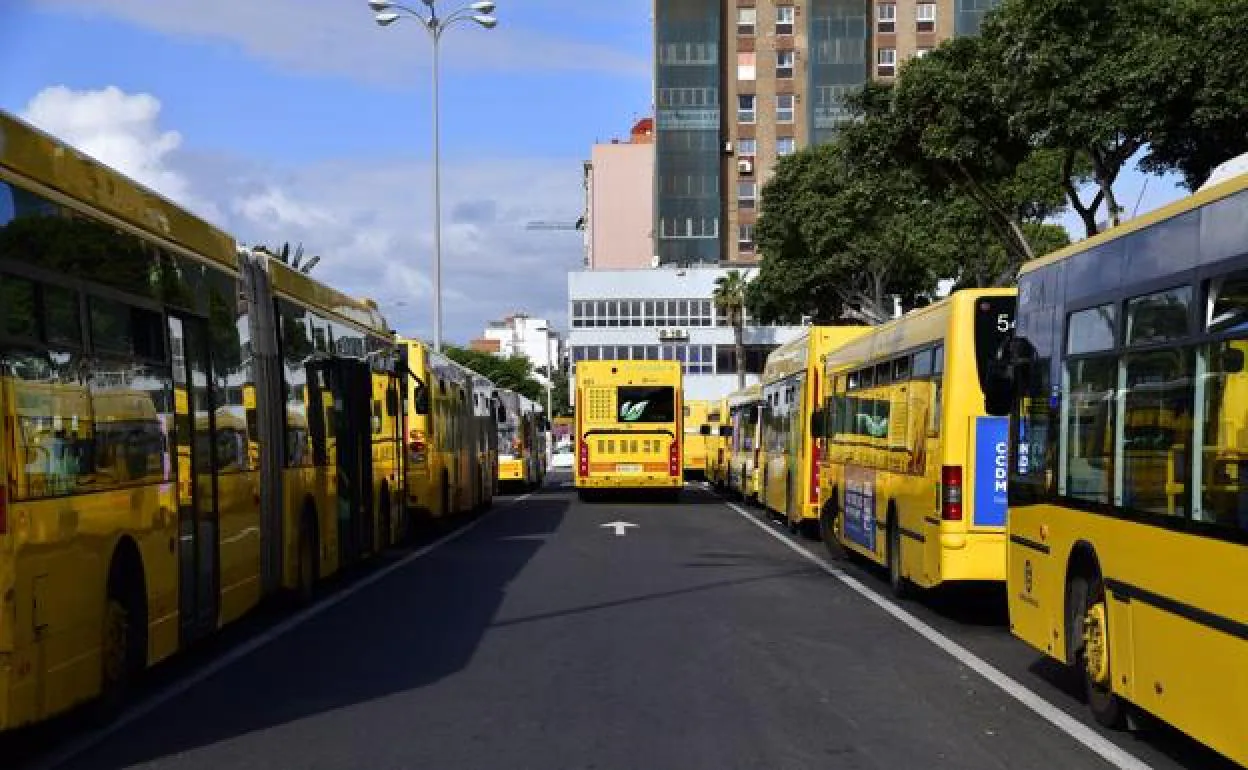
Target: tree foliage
(513,372)
(730,298)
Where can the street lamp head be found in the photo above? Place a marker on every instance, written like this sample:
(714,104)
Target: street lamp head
(489,22)
(387,18)
(379,5)
(483,6)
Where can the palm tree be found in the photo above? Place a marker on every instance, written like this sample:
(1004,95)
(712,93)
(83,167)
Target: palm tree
(295,261)
(729,298)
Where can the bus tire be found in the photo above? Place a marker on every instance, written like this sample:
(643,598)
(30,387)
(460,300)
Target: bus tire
(387,519)
(829,523)
(809,529)
(1089,632)
(123,653)
(309,553)
(898,582)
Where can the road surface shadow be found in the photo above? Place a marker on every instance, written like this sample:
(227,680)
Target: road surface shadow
(410,629)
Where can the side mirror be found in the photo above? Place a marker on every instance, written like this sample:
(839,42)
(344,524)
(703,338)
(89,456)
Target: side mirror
(705,430)
(998,383)
(420,399)
(725,431)
(817,423)
(1232,360)
(500,415)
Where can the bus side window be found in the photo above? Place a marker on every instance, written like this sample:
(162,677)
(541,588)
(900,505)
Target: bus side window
(938,390)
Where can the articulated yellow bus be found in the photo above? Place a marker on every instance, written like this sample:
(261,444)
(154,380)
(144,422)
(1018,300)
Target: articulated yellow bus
(521,441)
(745,411)
(450,468)
(913,469)
(185,428)
(698,441)
(793,389)
(629,426)
(717,435)
(1128,526)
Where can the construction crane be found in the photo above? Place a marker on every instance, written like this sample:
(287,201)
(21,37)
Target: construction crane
(579,224)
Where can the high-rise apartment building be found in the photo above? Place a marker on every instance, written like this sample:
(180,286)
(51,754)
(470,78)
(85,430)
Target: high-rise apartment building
(741,83)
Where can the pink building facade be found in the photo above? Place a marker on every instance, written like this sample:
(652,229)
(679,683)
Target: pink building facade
(619,205)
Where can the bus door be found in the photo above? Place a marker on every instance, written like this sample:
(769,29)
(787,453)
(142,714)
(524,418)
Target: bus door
(349,385)
(198,526)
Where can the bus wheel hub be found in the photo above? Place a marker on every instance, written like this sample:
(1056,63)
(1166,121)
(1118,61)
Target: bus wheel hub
(1096,651)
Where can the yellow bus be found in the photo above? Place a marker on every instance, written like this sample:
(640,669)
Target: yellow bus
(146,499)
(629,426)
(793,389)
(913,469)
(521,441)
(745,409)
(717,434)
(1128,518)
(450,416)
(696,449)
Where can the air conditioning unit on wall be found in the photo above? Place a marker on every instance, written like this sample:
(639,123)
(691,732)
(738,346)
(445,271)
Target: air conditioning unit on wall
(745,166)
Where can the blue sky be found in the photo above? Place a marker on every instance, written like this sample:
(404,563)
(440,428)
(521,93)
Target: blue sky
(301,120)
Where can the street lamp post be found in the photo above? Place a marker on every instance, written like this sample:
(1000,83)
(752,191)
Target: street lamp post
(479,13)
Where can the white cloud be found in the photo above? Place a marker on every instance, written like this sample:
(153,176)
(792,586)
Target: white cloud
(339,37)
(120,130)
(369,219)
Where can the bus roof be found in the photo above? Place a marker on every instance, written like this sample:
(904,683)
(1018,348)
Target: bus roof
(1192,202)
(47,161)
(747,395)
(798,353)
(309,291)
(915,328)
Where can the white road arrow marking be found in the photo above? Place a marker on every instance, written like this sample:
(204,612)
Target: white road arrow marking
(620,527)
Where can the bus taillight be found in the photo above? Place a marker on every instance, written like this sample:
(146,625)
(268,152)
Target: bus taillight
(583,457)
(951,492)
(673,459)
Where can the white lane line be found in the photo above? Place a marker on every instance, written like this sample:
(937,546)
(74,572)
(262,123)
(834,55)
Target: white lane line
(1085,735)
(232,656)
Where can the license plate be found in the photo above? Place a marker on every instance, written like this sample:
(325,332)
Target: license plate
(628,468)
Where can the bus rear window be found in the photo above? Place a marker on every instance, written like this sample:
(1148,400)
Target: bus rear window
(646,404)
(994,325)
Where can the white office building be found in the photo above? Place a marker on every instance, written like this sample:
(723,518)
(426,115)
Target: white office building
(520,334)
(664,313)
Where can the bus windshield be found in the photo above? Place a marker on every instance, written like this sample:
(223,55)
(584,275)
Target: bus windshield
(646,404)
(994,325)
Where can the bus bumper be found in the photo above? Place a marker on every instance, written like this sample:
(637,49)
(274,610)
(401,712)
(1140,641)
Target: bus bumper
(639,481)
(973,556)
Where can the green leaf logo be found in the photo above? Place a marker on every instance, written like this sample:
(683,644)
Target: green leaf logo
(630,412)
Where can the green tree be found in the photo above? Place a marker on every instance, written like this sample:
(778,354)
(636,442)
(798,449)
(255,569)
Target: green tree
(1204,125)
(729,298)
(561,403)
(513,372)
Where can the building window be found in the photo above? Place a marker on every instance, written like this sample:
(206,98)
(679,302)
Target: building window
(747,192)
(785,145)
(746,67)
(785,62)
(925,16)
(785,15)
(785,108)
(747,148)
(746,19)
(745,237)
(745,108)
(886,17)
(919,53)
(886,62)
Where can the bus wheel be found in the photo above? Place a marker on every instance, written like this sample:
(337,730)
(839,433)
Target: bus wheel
(1093,657)
(309,563)
(387,520)
(828,531)
(900,584)
(124,644)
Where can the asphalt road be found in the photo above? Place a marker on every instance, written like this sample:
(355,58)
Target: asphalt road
(539,639)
